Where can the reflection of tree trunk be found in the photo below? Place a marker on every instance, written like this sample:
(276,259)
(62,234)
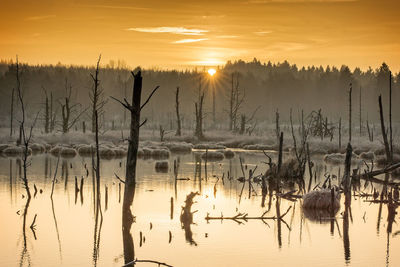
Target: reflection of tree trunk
(187,218)
(278,215)
(127,220)
(56,225)
(11,186)
(25,253)
(97,230)
(346,238)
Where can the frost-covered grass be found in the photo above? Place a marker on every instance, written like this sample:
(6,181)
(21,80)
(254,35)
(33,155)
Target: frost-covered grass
(114,143)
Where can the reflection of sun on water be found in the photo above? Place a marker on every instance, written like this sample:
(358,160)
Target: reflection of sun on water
(212,72)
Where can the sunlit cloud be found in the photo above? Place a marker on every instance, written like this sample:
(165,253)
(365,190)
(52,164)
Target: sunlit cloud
(115,7)
(174,30)
(40,17)
(227,36)
(189,41)
(263,32)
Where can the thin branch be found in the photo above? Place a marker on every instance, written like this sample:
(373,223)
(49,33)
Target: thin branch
(148,99)
(126,104)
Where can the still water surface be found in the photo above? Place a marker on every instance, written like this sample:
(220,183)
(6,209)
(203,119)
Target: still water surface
(68,234)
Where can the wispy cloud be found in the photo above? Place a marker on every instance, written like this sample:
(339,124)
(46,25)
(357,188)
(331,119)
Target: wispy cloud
(189,41)
(40,17)
(263,32)
(174,30)
(115,7)
(227,36)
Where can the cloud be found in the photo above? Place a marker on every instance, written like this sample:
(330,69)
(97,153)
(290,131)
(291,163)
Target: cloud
(263,32)
(189,41)
(227,36)
(41,17)
(115,7)
(174,30)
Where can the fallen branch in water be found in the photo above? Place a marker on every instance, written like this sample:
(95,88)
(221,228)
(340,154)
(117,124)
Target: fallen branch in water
(370,174)
(244,216)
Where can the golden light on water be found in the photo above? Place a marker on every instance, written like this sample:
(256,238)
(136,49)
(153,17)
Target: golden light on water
(212,72)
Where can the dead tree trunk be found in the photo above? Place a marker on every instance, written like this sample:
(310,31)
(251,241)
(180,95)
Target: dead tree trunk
(199,118)
(134,109)
(384,136)
(277,127)
(52,114)
(340,133)
(65,112)
(96,97)
(280,152)
(46,113)
(12,112)
(231,102)
(242,124)
(162,133)
(390,117)
(178,117)
(360,111)
(347,177)
(350,91)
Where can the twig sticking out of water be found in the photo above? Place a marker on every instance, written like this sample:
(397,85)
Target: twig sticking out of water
(244,217)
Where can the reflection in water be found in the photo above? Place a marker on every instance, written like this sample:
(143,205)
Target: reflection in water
(127,220)
(187,218)
(24,256)
(306,227)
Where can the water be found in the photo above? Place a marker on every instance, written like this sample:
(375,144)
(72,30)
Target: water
(68,234)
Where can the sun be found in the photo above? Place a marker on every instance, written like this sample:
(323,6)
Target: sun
(212,72)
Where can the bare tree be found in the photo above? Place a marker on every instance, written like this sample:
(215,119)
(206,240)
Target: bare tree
(96,97)
(199,118)
(69,111)
(360,112)
(12,112)
(131,160)
(384,135)
(26,137)
(46,112)
(390,117)
(350,91)
(53,115)
(199,112)
(277,126)
(135,109)
(178,117)
(236,98)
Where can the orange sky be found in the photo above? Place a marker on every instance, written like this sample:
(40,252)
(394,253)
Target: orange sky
(174,34)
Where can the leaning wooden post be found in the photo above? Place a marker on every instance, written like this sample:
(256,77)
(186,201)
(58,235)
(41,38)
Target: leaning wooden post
(385,140)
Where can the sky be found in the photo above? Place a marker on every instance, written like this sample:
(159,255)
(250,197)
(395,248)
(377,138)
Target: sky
(178,34)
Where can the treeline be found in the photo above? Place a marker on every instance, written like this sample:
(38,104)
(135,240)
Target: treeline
(265,85)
